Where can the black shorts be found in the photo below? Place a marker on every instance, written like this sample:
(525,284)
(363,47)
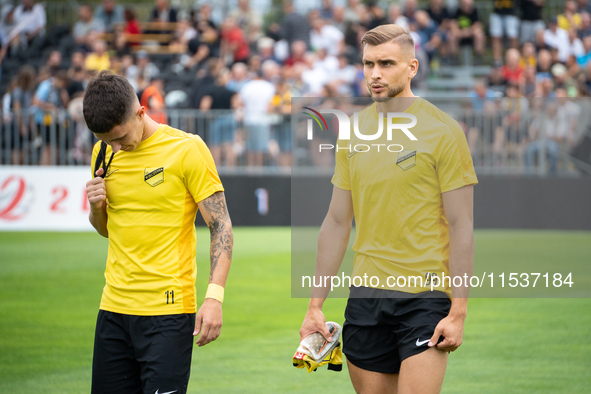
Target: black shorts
(142,354)
(379,333)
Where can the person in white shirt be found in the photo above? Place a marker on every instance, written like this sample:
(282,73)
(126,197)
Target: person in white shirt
(323,35)
(256,96)
(575,45)
(314,75)
(556,37)
(31,20)
(86,26)
(344,77)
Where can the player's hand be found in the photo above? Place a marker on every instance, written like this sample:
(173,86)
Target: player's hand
(208,321)
(314,322)
(96,191)
(452,330)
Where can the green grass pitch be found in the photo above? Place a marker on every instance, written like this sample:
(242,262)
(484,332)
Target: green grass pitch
(51,283)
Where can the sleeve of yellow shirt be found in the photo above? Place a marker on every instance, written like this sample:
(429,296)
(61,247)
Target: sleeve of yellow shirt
(454,163)
(341,177)
(201,177)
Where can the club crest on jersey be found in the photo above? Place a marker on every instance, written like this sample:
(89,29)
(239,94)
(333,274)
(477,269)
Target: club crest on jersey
(406,159)
(154,176)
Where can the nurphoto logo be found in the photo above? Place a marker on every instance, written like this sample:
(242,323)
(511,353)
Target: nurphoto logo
(344,132)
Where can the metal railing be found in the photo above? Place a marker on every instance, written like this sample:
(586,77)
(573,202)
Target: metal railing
(505,136)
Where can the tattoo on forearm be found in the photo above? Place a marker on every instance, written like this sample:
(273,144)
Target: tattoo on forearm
(220,228)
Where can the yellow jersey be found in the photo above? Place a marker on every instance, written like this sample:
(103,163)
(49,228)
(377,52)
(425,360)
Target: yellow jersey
(401,228)
(152,196)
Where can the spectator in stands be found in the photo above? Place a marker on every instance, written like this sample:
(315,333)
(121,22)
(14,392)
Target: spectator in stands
(431,37)
(583,6)
(8,36)
(86,27)
(294,27)
(481,96)
(281,105)
(50,100)
(99,59)
(559,130)
(439,13)
(540,42)
(76,82)
(17,112)
(238,77)
(503,22)
(466,29)
(575,45)
(184,33)
(511,134)
(395,16)
(221,133)
(574,72)
(142,71)
(529,81)
(528,55)
(205,80)
(557,38)
(110,13)
(78,59)
(83,138)
(325,36)
(265,46)
(314,75)
(256,96)
(496,80)
(132,26)
(298,49)
(513,70)
(54,62)
(152,99)
(204,15)
(376,14)
(234,46)
(585,29)
(410,8)
(531,19)
(343,77)
(338,19)
(326,9)
(205,46)
(247,18)
(162,12)
(585,58)
(33,18)
(570,18)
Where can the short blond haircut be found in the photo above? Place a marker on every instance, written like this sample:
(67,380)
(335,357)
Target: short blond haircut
(389,33)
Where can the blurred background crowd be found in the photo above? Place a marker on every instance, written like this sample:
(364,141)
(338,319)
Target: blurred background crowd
(514,72)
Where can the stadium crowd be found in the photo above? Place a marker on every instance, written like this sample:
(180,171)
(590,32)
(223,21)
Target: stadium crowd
(253,64)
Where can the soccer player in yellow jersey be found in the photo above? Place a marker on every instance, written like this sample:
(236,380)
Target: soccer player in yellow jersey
(144,200)
(413,215)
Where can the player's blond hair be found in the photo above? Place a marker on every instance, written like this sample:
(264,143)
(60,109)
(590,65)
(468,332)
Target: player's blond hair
(389,33)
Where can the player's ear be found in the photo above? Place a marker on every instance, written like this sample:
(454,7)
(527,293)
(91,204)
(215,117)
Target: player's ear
(141,112)
(413,68)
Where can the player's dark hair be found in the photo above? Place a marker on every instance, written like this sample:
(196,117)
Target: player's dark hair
(108,102)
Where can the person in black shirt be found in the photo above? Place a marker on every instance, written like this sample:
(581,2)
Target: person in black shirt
(531,19)
(439,13)
(220,138)
(162,12)
(467,28)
